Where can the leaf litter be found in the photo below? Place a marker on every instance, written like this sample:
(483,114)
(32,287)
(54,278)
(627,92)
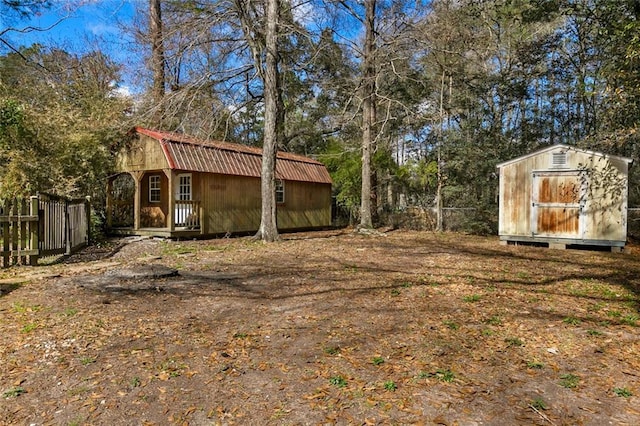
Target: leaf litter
(253,333)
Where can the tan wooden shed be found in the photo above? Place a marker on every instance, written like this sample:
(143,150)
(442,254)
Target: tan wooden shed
(563,196)
(173,185)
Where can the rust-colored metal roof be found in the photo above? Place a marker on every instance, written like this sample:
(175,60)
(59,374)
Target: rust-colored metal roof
(186,153)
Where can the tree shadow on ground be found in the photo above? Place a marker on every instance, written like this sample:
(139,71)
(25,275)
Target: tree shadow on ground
(420,261)
(8,288)
(616,269)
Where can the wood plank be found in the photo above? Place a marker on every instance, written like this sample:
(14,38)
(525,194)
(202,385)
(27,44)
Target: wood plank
(16,217)
(14,233)
(33,232)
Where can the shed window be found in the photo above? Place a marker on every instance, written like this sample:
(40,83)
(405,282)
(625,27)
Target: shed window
(154,188)
(279,191)
(559,159)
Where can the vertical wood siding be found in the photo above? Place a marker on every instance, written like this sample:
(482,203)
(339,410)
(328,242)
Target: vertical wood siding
(606,208)
(233,203)
(230,203)
(154,214)
(143,153)
(306,205)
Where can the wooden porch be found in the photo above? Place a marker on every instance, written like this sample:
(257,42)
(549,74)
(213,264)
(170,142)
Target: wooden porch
(157,232)
(130,213)
(186,223)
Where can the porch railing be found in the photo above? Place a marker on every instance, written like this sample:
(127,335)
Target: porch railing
(187,214)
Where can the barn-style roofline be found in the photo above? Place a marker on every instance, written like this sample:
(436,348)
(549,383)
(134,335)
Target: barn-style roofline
(564,147)
(183,152)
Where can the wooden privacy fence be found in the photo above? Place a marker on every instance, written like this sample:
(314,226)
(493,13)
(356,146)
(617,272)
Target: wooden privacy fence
(41,226)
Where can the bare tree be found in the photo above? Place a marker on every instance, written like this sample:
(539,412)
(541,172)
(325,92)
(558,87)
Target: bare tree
(23,9)
(368,112)
(268,230)
(263,43)
(157,57)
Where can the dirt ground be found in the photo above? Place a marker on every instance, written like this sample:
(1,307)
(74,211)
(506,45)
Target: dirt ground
(323,328)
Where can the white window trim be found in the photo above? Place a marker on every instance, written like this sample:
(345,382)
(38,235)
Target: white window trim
(280,190)
(179,188)
(155,190)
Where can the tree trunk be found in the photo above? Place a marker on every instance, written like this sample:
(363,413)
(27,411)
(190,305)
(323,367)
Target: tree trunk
(368,114)
(268,227)
(439,225)
(157,57)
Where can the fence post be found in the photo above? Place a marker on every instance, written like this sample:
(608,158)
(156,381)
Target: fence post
(67,228)
(33,230)
(87,212)
(5,235)
(23,244)
(13,213)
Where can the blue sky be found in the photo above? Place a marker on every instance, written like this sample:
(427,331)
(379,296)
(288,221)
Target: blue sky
(75,22)
(79,26)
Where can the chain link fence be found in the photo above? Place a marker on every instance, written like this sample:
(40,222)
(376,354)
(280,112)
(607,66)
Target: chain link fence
(454,219)
(633,223)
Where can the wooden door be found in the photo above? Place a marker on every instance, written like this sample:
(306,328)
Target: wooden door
(184,200)
(557,204)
